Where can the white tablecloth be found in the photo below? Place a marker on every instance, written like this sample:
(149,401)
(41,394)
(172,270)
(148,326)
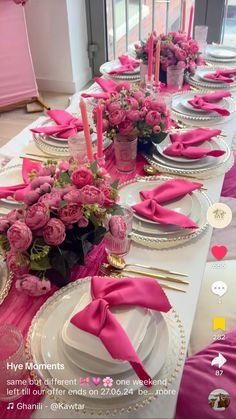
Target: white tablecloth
(190,258)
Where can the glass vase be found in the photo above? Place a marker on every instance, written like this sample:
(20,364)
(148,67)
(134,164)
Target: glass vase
(125,153)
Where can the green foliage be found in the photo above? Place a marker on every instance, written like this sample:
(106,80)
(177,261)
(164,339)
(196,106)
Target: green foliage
(39,250)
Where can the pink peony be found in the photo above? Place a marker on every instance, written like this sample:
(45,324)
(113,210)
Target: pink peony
(116,117)
(32,285)
(143,112)
(153,118)
(31,197)
(83,222)
(126,127)
(19,236)
(82,177)
(45,188)
(71,213)
(133,115)
(40,180)
(51,199)
(131,102)
(91,195)
(193,47)
(15,215)
(64,165)
(139,96)
(179,37)
(158,106)
(148,102)
(72,196)
(108,193)
(18,263)
(54,232)
(37,216)
(4,224)
(125,85)
(118,227)
(180,54)
(113,106)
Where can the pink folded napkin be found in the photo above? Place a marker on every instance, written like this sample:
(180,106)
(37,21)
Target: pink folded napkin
(17,190)
(223,75)
(206,102)
(97,319)
(67,124)
(101,95)
(127,64)
(152,209)
(183,144)
(106,85)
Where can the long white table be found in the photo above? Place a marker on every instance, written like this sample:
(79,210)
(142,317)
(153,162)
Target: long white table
(190,258)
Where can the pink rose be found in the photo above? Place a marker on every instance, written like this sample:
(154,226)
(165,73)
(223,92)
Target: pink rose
(54,232)
(180,54)
(83,222)
(19,236)
(64,165)
(51,200)
(153,118)
(116,117)
(91,195)
(143,112)
(147,103)
(15,215)
(131,102)
(18,263)
(32,285)
(133,115)
(113,106)
(4,224)
(125,85)
(118,227)
(125,127)
(73,196)
(82,177)
(158,106)
(71,213)
(37,216)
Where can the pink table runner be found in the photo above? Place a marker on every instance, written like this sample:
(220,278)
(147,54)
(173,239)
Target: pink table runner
(19,309)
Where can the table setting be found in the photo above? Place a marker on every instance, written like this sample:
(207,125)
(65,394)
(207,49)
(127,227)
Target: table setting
(87,235)
(221,55)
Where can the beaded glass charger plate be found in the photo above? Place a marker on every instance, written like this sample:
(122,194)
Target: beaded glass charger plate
(117,400)
(196,79)
(5,280)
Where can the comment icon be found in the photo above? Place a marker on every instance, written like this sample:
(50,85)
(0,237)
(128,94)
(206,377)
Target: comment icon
(219,288)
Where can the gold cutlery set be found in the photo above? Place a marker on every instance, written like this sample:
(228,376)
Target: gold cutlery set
(116,266)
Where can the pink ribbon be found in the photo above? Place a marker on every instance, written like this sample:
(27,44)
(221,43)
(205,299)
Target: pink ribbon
(67,124)
(206,102)
(97,319)
(152,209)
(183,144)
(223,75)
(18,191)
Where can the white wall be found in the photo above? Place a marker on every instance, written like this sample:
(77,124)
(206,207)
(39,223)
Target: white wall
(58,40)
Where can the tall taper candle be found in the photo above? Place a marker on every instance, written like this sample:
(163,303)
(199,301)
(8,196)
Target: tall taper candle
(99,132)
(87,135)
(157,63)
(190,23)
(183,16)
(150,56)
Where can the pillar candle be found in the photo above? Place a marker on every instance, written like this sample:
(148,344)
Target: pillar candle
(150,56)
(183,16)
(157,64)
(99,131)
(87,135)
(190,24)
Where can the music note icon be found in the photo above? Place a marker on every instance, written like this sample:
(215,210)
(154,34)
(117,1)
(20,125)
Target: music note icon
(10,406)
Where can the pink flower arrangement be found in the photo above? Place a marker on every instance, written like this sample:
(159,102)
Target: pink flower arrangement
(64,215)
(133,113)
(176,49)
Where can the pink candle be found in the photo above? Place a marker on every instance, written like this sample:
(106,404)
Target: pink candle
(183,16)
(190,24)
(150,56)
(87,135)
(99,131)
(157,64)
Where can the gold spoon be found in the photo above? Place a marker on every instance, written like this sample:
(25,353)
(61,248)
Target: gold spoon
(119,263)
(149,274)
(115,274)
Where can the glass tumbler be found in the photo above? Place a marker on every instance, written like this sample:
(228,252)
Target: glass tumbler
(77,147)
(13,372)
(200,33)
(125,153)
(114,244)
(175,77)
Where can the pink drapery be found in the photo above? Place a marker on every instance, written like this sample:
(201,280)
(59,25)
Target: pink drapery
(17,78)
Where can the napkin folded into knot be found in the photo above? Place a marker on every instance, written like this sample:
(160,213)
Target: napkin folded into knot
(127,64)
(152,209)
(206,102)
(222,75)
(183,144)
(97,319)
(19,191)
(67,124)
(108,87)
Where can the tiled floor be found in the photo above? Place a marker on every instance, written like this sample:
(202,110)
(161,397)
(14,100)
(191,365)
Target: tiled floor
(12,122)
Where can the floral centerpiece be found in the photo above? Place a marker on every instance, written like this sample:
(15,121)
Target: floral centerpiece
(64,214)
(134,113)
(176,49)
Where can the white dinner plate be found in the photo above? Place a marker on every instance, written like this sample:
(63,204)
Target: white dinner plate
(222,52)
(11,175)
(112,65)
(185,103)
(201,74)
(166,143)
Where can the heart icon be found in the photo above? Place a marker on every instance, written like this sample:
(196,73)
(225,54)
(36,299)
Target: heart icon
(96,381)
(219,252)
